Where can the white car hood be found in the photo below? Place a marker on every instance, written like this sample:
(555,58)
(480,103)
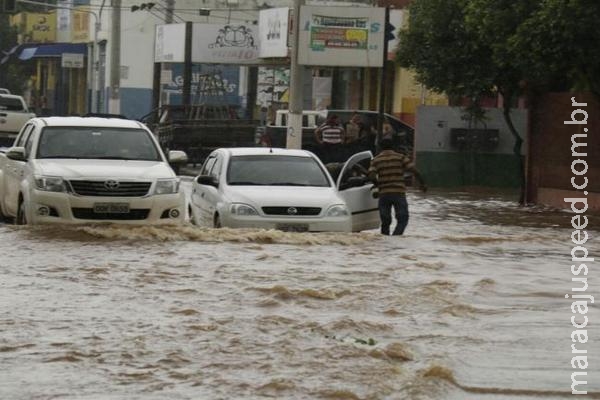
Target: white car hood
(115,169)
(284,196)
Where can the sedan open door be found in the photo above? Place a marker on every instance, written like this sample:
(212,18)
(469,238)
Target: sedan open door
(354,187)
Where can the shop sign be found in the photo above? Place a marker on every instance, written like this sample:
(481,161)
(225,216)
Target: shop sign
(72,60)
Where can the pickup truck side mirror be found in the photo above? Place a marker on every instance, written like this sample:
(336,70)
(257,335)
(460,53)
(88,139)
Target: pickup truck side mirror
(177,157)
(16,153)
(207,180)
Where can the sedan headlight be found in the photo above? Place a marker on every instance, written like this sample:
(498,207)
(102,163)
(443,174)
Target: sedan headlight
(339,210)
(50,183)
(167,186)
(242,209)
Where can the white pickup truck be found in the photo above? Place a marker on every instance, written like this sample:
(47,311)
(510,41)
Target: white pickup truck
(88,170)
(13,115)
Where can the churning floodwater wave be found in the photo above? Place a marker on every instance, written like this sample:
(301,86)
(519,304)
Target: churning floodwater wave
(468,305)
(188,232)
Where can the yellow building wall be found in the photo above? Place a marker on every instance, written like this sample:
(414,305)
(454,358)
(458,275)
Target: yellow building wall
(370,89)
(409,94)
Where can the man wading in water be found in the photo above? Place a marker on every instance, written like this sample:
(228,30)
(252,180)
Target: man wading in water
(387,169)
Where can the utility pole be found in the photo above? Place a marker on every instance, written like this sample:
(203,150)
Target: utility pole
(187,66)
(294,130)
(114,105)
(383,82)
(161,96)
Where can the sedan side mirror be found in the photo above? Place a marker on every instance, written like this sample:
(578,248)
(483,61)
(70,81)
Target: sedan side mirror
(207,180)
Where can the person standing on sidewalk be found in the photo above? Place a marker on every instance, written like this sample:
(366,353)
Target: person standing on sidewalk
(330,136)
(387,169)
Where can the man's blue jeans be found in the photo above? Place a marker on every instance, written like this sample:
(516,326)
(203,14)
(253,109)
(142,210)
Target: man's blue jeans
(398,201)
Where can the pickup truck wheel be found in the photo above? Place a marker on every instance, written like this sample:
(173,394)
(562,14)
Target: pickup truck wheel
(191,215)
(21,217)
(217,221)
(3,217)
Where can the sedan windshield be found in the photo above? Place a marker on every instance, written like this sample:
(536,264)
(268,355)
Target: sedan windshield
(97,143)
(276,170)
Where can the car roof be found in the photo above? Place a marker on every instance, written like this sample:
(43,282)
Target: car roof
(91,122)
(257,151)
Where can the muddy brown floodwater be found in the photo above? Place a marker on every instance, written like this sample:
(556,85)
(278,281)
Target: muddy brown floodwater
(468,305)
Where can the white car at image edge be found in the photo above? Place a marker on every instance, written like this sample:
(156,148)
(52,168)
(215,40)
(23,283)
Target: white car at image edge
(89,170)
(282,189)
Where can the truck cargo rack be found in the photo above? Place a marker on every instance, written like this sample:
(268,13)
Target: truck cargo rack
(199,129)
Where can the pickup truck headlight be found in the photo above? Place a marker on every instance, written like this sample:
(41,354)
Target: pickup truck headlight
(50,183)
(242,209)
(167,186)
(338,210)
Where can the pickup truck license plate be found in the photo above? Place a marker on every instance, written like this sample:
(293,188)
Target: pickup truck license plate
(111,208)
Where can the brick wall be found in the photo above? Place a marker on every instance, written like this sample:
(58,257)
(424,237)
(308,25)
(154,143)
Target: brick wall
(550,157)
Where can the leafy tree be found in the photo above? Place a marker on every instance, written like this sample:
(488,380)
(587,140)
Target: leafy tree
(471,48)
(467,48)
(495,24)
(558,46)
(445,56)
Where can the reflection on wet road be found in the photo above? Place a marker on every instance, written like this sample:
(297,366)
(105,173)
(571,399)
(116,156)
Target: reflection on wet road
(468,305)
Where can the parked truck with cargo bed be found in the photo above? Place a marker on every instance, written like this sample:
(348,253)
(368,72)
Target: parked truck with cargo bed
(199,129)
(13,115)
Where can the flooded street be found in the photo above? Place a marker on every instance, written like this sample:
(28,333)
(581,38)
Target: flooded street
(470,304)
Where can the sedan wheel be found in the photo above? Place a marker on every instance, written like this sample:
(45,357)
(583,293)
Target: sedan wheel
(3,218)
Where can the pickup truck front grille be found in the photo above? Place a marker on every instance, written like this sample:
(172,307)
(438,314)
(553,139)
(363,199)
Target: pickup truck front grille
(133,214)
(110,188)
(291,211)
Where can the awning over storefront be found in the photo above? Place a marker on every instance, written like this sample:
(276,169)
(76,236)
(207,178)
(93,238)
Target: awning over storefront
(52,50)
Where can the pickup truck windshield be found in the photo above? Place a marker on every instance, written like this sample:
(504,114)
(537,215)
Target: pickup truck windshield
(96,143)
(275,170)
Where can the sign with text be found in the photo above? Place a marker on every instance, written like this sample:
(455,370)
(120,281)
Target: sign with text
(169,43)
(341,36)
(211,44)
(63,20)
(273,32)
(225,44)
(210,84)
(72,60)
